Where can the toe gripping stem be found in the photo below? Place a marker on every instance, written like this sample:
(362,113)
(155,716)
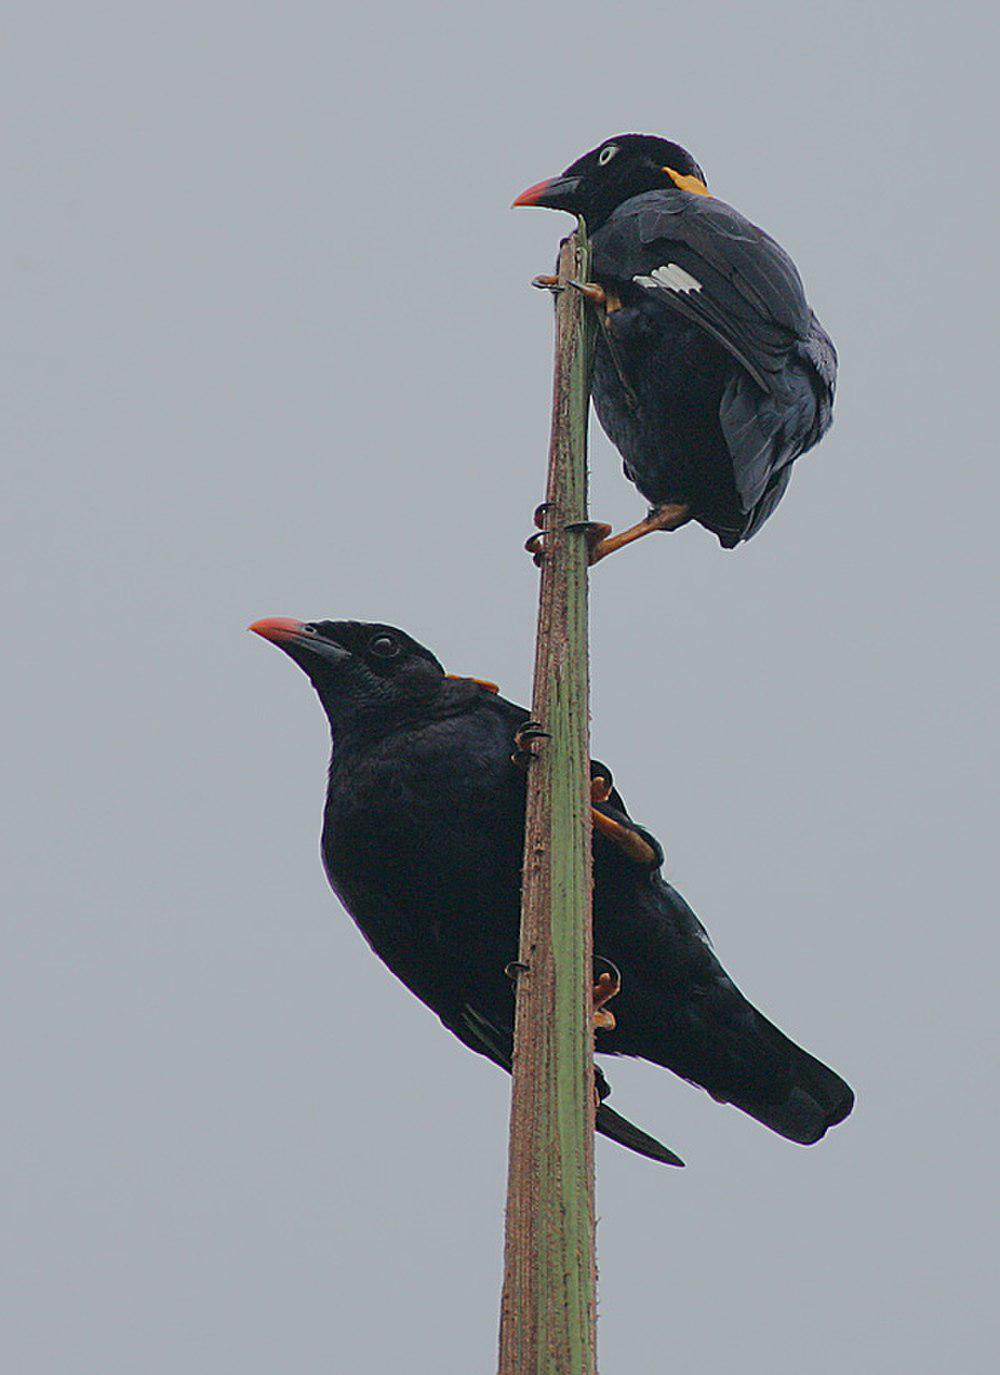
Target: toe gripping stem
(525,738)
(546,282)
(607,985)
(590,291)
(594,531)
(535,544)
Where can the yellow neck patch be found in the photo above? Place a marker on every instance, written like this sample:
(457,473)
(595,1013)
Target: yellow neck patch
(693,184)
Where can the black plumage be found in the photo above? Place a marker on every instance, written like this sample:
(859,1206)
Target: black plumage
(422,841)
(712,374)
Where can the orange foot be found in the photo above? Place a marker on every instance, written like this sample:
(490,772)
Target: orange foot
(606,986)
(630,842)
(598,295)
(670,517)
(546,282)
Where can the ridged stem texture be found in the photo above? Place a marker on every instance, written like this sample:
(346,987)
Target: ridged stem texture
(547,1321)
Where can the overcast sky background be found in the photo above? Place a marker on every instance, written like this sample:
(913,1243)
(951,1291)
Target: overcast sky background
(271,350)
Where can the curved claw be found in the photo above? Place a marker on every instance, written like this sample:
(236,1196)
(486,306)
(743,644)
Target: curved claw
(546,282)
(590,291)
(595,531)
(535,545)
(531,730)
(526,734)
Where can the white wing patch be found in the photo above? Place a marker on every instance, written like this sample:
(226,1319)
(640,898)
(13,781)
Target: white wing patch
(672,277)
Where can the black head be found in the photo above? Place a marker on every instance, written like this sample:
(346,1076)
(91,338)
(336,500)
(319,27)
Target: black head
(614,172)
(362,672)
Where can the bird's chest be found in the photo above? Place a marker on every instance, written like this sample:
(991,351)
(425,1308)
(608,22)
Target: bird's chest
(436,833)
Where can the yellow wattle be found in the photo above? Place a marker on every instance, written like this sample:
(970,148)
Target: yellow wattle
(693,184)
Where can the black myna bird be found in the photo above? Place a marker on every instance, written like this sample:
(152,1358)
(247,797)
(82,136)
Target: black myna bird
(712,374)
(422,842)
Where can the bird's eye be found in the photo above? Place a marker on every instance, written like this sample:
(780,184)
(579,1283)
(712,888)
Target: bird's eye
(384,646)
(606,154)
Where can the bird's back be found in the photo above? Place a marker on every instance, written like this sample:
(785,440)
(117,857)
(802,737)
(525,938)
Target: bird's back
(714,375)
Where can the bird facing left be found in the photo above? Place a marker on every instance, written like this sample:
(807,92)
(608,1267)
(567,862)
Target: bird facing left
(712,375)
(423,833)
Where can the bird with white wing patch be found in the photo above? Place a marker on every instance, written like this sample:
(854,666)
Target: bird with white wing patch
(712,374)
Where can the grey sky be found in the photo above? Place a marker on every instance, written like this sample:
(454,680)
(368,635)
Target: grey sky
(272,351)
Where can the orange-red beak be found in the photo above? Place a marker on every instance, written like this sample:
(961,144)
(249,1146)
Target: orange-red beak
(314,653)
(558,193)
(277,629)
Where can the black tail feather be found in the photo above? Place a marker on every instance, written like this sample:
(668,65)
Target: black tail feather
(620,1129)
(787,1089)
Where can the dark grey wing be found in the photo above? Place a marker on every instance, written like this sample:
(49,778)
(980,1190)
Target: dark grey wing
(708,263)
(818,349)
(766,433)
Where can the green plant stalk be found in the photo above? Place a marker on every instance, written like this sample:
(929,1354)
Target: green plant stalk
(547,1324)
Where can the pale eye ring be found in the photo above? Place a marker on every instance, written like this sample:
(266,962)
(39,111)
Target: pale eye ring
(384,646)
(606,154)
